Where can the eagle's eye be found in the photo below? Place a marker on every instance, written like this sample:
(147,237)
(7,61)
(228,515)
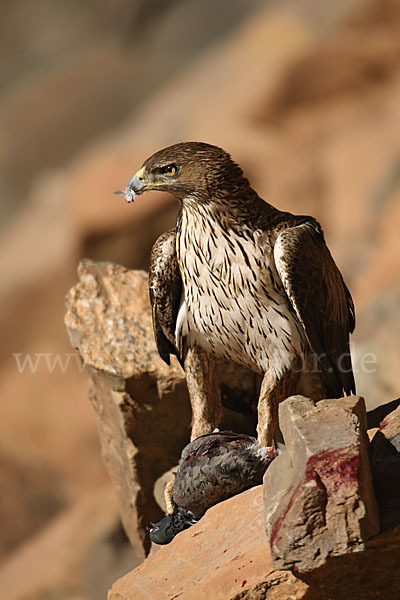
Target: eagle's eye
(169,170)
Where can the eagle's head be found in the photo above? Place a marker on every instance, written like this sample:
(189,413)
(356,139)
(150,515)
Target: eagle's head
(188,169)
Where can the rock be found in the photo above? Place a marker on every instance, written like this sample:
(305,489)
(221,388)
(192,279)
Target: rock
(390,428)
(376,416)
(141,404)
(225,557)
(220,557)
(385,459)
(319,500)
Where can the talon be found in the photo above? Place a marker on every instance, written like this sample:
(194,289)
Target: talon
(270,452)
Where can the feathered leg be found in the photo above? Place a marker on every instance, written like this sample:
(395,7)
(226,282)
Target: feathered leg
(204,392)
(273,391)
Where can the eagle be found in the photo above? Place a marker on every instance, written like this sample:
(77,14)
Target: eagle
(239,280)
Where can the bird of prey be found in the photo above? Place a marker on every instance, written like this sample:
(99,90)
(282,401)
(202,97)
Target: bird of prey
(212,468)
(240,280)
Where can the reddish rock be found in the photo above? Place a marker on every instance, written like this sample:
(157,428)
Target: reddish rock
(33,497)
(225,557)
(319,500)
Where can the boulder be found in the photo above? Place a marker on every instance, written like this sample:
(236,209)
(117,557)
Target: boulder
(141,404)
(319,500)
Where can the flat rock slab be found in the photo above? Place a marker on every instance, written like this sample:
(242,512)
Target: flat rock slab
(319,500)
(223,556)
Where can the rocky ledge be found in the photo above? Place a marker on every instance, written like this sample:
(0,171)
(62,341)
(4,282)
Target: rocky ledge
(325,525)
(317,531)
(225,557)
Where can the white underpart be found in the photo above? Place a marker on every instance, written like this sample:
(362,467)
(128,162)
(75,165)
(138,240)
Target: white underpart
(267,338)
(182,323)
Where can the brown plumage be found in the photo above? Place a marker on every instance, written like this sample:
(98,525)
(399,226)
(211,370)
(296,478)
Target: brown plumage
(165,286)
(240,280)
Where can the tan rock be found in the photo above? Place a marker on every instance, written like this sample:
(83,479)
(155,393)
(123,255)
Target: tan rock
(390,427)
(141,404)
(319,500)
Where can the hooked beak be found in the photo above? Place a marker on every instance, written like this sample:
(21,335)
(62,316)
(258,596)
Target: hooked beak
(135,186)
(137,183)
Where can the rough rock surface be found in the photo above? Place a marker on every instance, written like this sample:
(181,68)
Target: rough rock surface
(225,557)
(319,500)
(376,416)
(134,394)
(141,404)
(390,428)
(220,557)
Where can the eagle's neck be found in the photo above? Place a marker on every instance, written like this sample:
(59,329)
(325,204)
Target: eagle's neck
(233,210)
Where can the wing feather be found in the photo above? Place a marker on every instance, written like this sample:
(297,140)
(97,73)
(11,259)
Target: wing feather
(320,300)
(165,286)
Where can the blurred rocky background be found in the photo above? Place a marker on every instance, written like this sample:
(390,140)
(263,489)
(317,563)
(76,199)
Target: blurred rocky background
(305,95)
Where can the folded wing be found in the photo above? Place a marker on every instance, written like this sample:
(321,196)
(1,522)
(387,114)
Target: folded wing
(321,301)
(165,287)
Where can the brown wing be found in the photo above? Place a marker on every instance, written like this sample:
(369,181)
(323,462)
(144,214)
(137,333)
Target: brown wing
(165,286)
(321,301)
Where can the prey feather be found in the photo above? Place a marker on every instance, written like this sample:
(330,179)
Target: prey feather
(128,193)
